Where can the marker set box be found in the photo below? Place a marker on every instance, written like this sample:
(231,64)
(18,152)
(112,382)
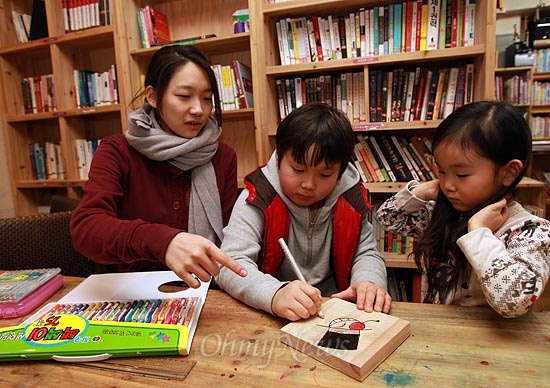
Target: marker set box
(110,315)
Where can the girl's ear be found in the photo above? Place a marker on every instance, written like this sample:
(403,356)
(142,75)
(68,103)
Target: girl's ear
(511,170)
(151,96)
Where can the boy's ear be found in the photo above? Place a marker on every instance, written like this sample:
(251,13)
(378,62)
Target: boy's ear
(151,96)
(511,170)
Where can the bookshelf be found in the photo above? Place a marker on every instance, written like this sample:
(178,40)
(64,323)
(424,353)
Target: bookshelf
(525,91)
(208,17)
(269,67)
(58,54)
(116,44)
(250,131)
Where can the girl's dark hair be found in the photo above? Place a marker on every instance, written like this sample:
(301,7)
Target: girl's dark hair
(496,131)
(319,125)
(166,61)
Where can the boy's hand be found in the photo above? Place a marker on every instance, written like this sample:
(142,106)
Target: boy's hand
(297,300)
(491,216)
(368,296)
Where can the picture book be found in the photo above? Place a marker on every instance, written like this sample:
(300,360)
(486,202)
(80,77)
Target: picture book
(111,315)
(350,340)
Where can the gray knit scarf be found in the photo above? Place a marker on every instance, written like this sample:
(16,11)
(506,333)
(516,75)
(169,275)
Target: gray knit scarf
(145,135)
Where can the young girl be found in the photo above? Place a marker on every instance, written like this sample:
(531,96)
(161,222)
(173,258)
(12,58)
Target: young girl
(477,245)
(159,195)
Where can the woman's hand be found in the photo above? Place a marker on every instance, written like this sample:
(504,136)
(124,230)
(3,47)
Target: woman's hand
(194,257)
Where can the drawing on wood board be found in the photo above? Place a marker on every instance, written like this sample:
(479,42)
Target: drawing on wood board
(343,333)
(350,340)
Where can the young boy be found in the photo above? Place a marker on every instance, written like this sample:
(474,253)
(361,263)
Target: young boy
(309,195)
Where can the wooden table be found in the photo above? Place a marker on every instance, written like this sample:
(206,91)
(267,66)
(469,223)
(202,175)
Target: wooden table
(450,346)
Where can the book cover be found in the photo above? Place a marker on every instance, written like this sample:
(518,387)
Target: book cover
(347,339)
(243,80)
(161,31)
(39,24)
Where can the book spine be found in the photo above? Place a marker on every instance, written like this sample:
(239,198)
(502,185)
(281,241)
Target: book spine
(432,36)
(239,84)
(394,159)
(377,149)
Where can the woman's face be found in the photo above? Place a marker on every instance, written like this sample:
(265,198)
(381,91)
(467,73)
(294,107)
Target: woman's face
(187,102)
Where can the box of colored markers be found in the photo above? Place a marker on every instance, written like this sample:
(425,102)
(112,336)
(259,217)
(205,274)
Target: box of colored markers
(110,315)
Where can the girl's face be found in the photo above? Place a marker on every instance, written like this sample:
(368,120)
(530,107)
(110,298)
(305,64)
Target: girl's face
(466,178)
(187,102)
(307,185)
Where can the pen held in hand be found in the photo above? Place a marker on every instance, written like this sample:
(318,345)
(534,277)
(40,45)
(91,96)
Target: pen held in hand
(295,268)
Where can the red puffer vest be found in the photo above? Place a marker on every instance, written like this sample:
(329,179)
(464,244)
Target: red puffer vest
(348,212)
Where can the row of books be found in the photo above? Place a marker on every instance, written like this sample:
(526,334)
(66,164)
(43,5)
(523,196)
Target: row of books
(542,60)
(22,25)
(386,158)
(47,161)
(408,26)
(540,127)
(153,26)
(404,285)
(344,91)
(235,85)
(514,89)
(95,89)
(38,94)
(82,14)
(541,93)
(85,150)
(423,93)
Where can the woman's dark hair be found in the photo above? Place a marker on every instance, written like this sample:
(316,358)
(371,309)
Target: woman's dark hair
(319,125)
(496,131)
(166,61)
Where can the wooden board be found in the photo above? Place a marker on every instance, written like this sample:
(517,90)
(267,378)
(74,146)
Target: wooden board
(350,340)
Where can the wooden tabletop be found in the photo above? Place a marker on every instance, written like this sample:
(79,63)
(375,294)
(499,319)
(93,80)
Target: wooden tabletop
(450,346)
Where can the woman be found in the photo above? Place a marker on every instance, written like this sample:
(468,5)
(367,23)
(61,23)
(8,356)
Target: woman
(159,195)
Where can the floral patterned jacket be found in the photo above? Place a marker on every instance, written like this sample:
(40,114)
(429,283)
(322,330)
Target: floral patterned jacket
(510,267)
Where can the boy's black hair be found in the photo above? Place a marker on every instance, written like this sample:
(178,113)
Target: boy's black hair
(319,125)
(496,131)
(166,61)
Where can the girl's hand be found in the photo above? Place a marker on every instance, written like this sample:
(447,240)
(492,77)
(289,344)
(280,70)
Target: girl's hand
(296,300)
(427,191)
(191,256)
(491,216)
(368,296)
